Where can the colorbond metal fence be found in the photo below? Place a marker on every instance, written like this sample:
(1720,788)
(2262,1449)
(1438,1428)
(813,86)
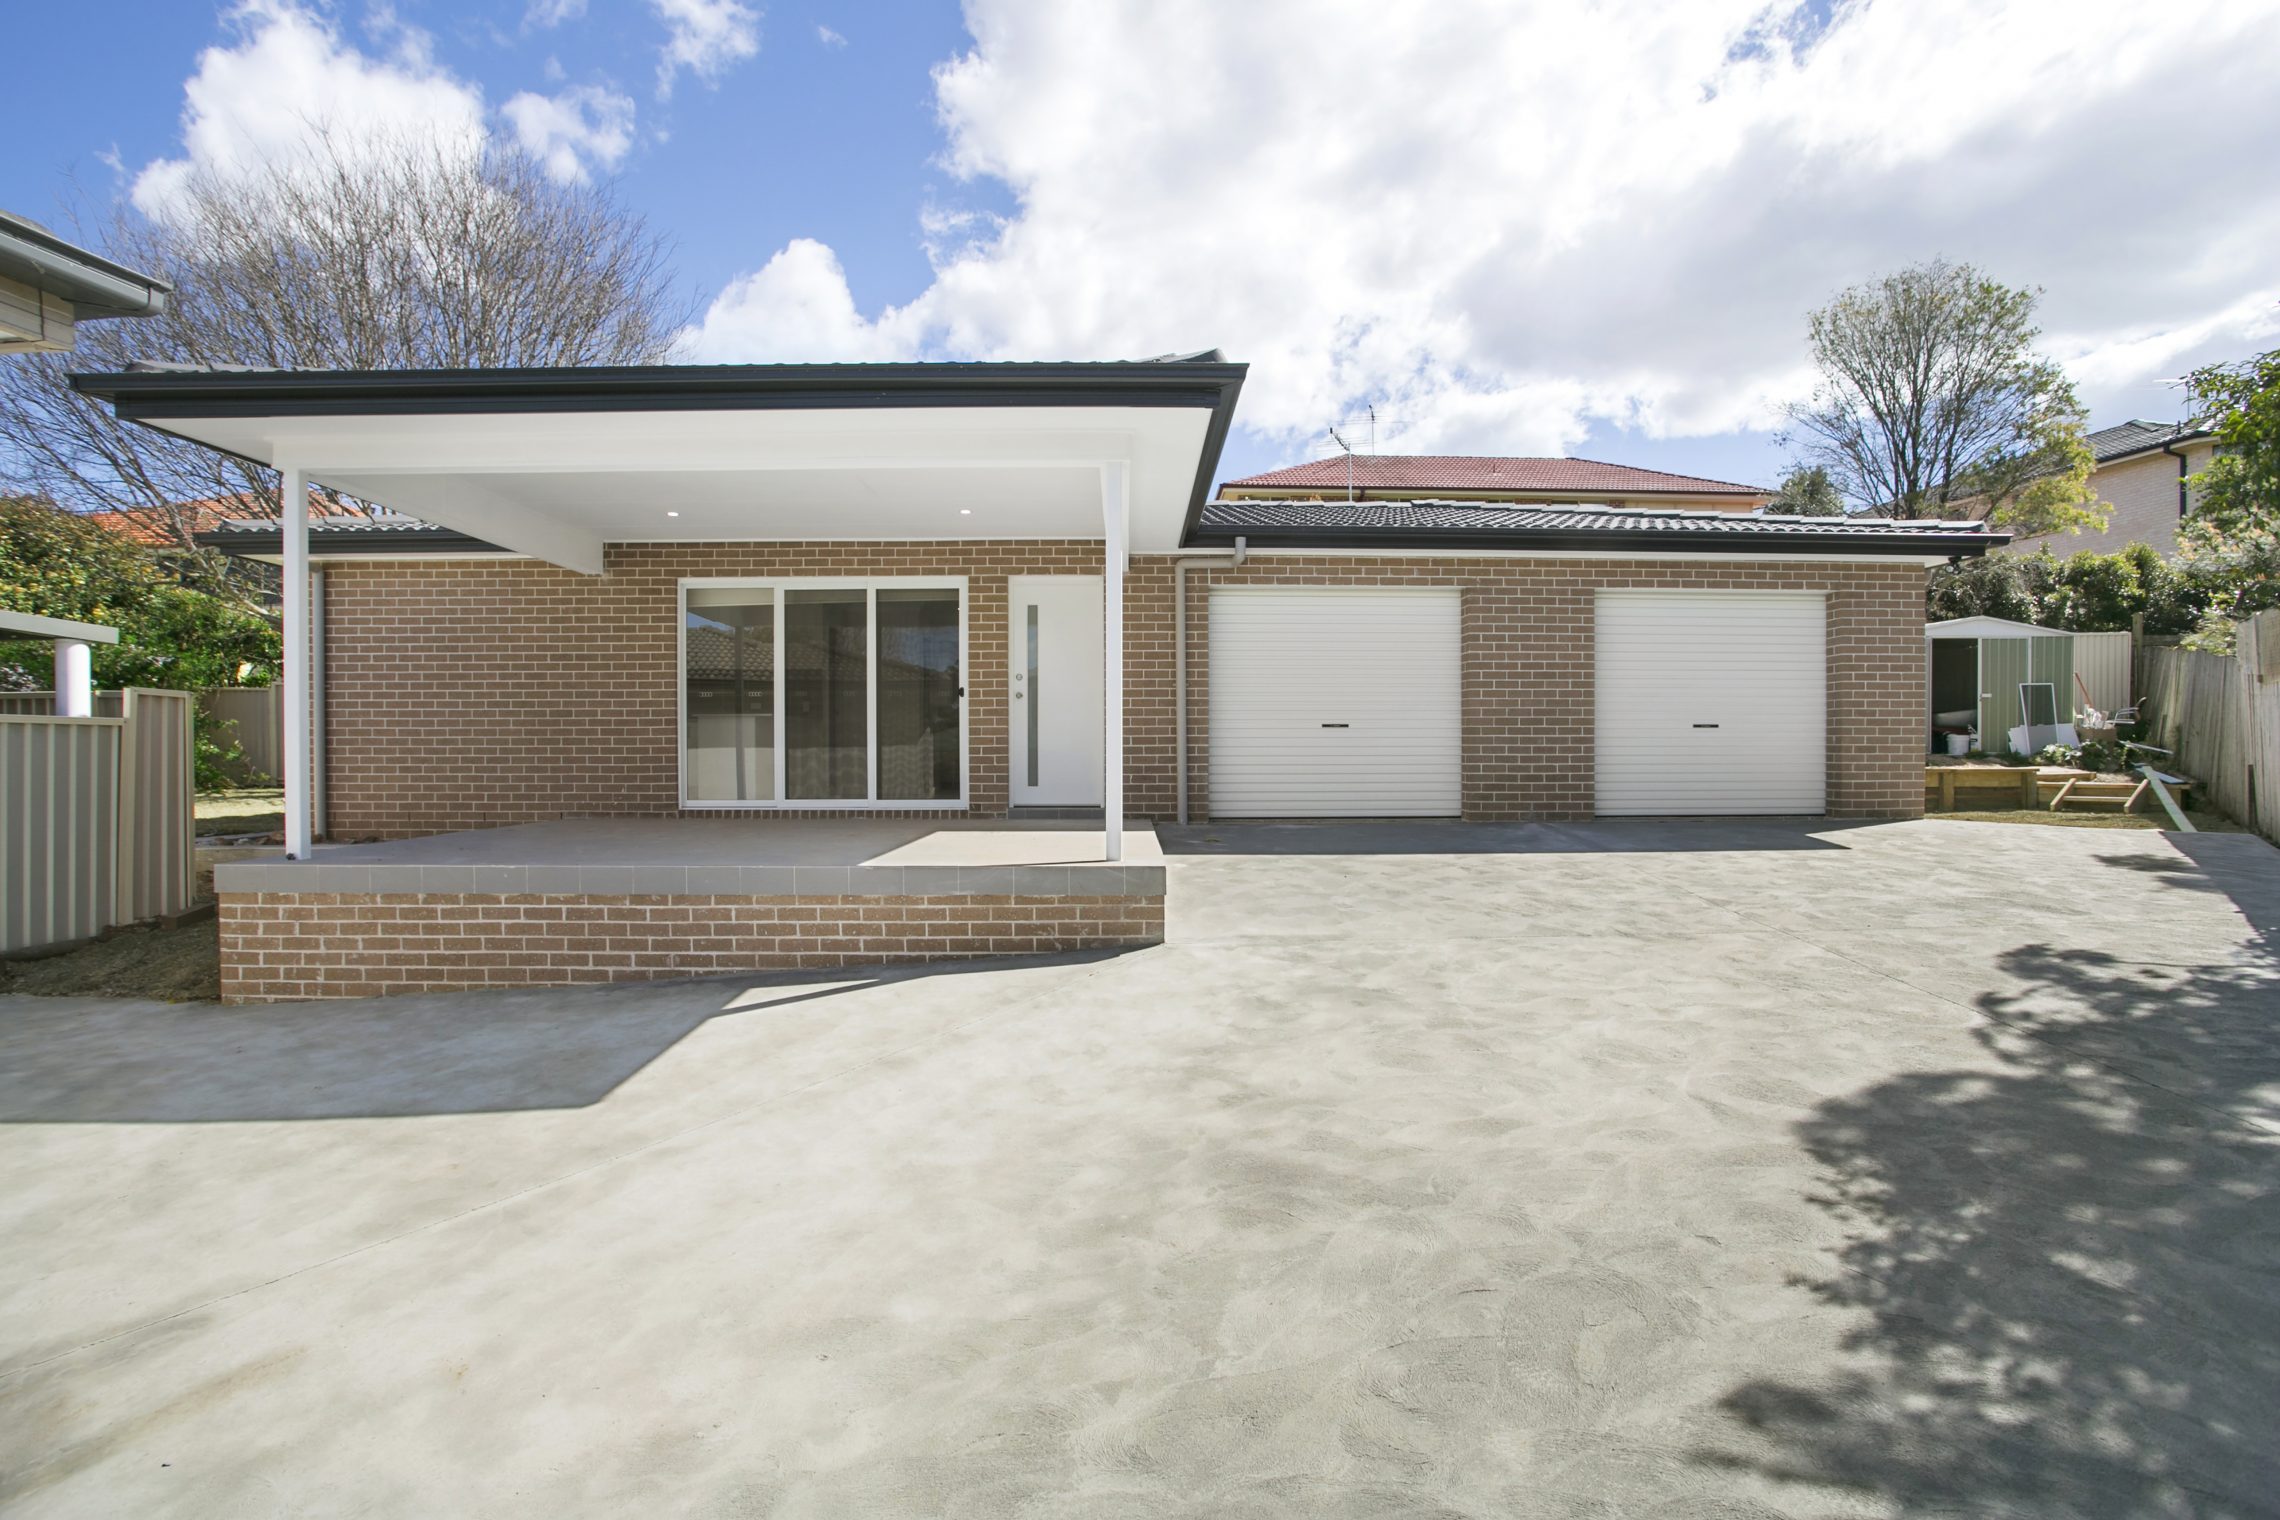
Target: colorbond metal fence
(96,816)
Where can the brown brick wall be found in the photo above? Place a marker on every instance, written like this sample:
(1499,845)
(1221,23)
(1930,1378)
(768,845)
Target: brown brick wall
(277,947)
(2139,498)
(1527,635)
(472,694)
(476,693)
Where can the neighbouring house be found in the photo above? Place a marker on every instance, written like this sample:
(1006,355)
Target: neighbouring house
(2140,476)
(1465,477)
(48,287)
(691,669)
(153,527)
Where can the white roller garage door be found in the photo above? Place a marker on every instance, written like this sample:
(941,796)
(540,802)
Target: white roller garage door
(1335,703)
(1711,702)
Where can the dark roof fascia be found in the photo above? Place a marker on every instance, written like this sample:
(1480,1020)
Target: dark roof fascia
(1643,540)
(265,543)
(140,397)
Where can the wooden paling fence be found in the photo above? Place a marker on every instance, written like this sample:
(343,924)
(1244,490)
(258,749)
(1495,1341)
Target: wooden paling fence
(2219,716)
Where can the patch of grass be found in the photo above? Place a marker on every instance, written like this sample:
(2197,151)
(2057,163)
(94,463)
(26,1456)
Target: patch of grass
(242,810)
(2207,823)
(178,965)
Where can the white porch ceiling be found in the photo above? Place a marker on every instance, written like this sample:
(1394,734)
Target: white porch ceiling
(559,485)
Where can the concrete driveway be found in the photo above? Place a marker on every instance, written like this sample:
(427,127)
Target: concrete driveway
(1612,1171)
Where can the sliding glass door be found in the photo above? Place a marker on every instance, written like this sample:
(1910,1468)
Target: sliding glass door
(728,674)
(862,682)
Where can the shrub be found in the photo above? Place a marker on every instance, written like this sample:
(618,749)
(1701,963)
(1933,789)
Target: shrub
(58,564)
(2102,755)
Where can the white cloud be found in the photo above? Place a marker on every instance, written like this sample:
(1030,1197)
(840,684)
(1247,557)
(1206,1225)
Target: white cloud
(796,308)
(547,13)
(828,37)
(704,37)
(289,77)
(1503,222)
(570,131)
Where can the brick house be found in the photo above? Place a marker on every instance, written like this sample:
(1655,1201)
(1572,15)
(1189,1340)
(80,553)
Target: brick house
(2140,478)
(1474,477)
(781,665)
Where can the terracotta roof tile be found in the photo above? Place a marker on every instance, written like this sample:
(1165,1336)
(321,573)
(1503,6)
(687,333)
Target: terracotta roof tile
(213,512)
(1470,472)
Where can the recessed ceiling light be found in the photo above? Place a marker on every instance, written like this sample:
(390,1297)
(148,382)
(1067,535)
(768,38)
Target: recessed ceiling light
(965,511)
(672,514)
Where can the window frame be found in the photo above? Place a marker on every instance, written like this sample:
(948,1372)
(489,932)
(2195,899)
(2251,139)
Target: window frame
(870,586)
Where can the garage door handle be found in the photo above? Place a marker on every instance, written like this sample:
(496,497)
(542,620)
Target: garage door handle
(1337,725)
(1705,725)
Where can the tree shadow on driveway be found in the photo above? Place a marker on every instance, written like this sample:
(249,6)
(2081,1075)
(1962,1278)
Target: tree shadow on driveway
(2064,1261)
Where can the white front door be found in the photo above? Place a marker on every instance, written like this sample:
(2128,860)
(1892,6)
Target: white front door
(1054,674)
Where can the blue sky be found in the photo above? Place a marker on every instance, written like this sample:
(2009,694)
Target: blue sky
(1512,228)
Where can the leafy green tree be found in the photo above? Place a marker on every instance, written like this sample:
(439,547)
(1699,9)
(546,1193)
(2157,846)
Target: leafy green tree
(58,564)
(2170,600)
(2239,490)
(1807,491)
(1932,397)
(2009,586)
(2231,543)
(2089,592)
(2095,593)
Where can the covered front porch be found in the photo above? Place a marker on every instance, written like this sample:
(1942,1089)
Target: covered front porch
(629,899)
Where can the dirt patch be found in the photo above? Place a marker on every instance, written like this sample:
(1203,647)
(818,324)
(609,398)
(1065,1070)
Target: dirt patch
(179,965)
(2207,823)
(244,810)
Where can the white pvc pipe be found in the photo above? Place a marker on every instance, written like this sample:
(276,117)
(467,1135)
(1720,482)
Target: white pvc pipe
(74,679)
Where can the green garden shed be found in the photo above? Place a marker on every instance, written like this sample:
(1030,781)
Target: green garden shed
(1985,674)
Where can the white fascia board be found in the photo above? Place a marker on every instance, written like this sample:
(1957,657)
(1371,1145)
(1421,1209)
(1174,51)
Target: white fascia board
(32,625)
(392,454)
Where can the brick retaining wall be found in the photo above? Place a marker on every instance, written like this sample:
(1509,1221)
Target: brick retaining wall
(282,946)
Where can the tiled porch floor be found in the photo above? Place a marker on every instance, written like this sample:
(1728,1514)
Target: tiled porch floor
(698,855)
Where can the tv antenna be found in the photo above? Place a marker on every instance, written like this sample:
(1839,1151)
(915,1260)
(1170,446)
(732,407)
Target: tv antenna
(1349,448)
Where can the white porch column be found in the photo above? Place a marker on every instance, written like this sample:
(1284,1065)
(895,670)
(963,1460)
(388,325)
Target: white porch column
(1119,544)
(74,679)
(293,521)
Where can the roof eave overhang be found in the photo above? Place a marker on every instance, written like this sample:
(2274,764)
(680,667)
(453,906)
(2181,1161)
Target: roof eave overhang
(269,543)
(1906,546)
(171,401)
(2166,446)
(413,392)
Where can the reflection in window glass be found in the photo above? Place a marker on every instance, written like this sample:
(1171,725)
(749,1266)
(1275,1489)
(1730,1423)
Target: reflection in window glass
(826,695)
(731,685)
(918,695)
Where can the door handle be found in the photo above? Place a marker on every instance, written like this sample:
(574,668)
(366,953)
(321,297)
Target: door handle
(1705,725)
(1337,725)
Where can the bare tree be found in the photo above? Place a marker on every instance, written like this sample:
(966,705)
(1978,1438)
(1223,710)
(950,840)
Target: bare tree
(1932,396)
(356,254)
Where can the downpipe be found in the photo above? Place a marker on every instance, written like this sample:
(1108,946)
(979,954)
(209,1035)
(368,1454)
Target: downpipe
(1234,558)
